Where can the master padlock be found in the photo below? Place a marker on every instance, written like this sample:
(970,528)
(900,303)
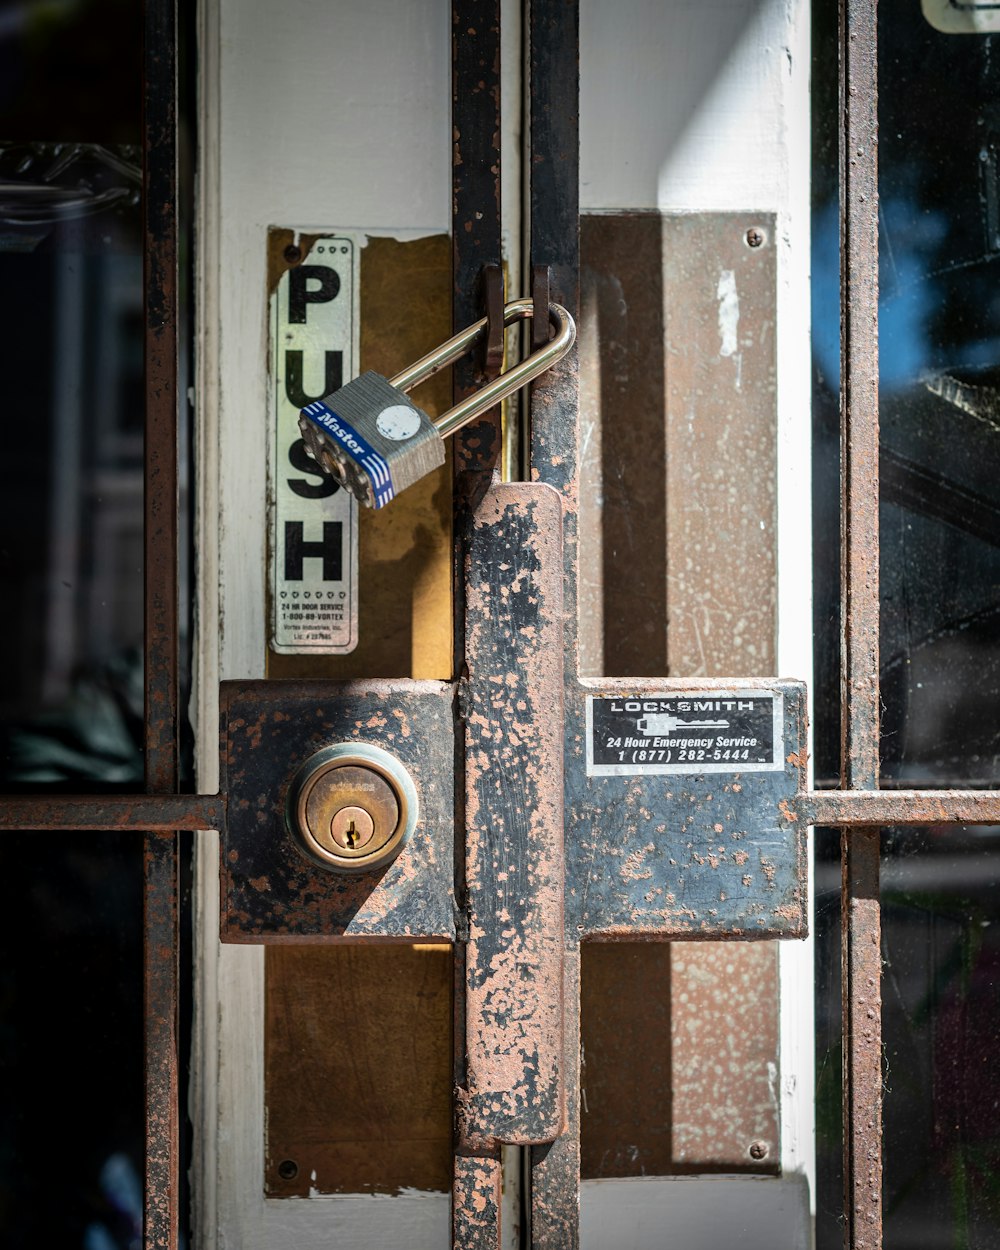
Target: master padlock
(375,441)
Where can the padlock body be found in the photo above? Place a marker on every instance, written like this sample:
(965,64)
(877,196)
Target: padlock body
(372,438)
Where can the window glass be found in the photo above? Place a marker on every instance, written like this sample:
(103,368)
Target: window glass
(71,629)
(939,348)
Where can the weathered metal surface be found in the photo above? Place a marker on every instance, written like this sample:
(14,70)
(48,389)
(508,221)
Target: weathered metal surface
(142,812)
(692,854)
(475,1202)
(555,1168)
(476,244)
(112,811)
(161,969)
(161,1207)
(724,1051)
(270,890)
(860,917)
(901,807)
(859,395)
(861,962)
(160,489)
(719,381)
(514,820)
(475,232)
(554,231)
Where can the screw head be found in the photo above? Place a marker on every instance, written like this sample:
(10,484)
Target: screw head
(755,236)
(288,1169)
(758,1150)
(293,254)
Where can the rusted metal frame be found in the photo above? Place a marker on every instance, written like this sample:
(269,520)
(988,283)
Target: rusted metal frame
(476,243)
(476,237)
(554,240)
(139,812)
(142,812)
(901,807)
(161,926)
(860,909)
(514,822)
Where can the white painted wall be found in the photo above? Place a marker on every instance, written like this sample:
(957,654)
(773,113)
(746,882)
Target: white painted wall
(319,114)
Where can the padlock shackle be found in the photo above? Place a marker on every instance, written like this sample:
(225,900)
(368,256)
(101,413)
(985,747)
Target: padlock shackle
(493,392)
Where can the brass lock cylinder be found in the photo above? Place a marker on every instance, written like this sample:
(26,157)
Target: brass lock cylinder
(351,807)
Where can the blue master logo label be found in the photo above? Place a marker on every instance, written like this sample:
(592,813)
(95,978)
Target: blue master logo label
(357,447)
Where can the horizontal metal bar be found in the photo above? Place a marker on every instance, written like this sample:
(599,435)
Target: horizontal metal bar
(144,812)
(902,807)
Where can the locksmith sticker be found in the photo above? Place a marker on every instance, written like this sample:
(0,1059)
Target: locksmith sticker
(313,521)
(714,731)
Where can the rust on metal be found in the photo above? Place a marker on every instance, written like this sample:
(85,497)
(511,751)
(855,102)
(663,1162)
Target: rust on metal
(555,1168)
(476,243)
(272,891)
(902,807)
(860,912)
(161,482)
(475,1202)
(514,821)
(112,811)
(161,1209)
(475,216)
(685,854)
(161,973)
(554,230)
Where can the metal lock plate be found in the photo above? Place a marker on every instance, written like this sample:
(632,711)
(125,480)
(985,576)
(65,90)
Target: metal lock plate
(286,747)
(373,437)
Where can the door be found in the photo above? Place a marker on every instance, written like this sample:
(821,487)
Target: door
(394,1057)
(629,206)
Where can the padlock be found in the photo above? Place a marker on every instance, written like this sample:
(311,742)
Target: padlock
(375,441)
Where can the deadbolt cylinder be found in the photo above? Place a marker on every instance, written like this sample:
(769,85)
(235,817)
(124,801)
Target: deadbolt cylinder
(351,807)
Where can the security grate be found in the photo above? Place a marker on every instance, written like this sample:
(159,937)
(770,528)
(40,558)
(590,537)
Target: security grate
(859,807)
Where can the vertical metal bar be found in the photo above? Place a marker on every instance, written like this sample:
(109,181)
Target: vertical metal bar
(475,243)
(162,1201)
(160,914)
(860,915)
(475,216)
(554,226)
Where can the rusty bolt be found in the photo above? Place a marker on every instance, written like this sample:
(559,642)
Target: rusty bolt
(758,1150)
(293,254)
(755,236)
(352,828)
(288,1169)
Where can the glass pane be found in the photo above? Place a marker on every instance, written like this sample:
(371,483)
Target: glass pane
(71,563)
(939,332)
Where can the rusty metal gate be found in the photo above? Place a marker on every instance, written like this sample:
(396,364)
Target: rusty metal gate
(530,788)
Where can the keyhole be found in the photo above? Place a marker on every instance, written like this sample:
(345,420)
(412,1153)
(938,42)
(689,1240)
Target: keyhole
(352,828)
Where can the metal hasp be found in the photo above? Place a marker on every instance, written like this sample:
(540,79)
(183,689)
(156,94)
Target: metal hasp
(375,441)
